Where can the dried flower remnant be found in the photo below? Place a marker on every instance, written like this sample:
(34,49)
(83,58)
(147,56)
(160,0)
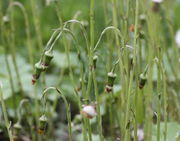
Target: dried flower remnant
(89,111)
(131,28)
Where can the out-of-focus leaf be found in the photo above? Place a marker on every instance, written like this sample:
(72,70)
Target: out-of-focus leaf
(24,71)
(173,129)
(60,59)
(94,137)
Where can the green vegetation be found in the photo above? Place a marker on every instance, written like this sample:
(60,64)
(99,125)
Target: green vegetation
(97,70)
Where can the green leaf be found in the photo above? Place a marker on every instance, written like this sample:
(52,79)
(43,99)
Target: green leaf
(173,129)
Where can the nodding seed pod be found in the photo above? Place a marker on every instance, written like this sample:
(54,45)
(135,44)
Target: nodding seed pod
(156,5)
(111,78)
(6,19)
(16,131)
(89,111)
(42,124)
(141,35)
(38,69)
(110,83)
(142,18)
(48,56)
(142,80)
(95,61)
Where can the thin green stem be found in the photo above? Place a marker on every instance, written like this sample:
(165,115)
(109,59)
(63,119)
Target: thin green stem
(67,107)
(27,27)
(7,123)
(99,118)
(135,65)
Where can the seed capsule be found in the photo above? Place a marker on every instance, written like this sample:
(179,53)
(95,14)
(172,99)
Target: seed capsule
(6,19)
(95,61)
(142,18)
(38,69)
(48,56)
(42,124)
(110,83)
(89,111)
(142,80)
(141,35)
(16,131)
(111,78)
(156,5)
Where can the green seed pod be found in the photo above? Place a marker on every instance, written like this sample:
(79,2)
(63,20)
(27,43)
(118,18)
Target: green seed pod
(156,7)
(17,129)
(95,60)
(48,56)
(42,124)
(142,18)
(38,69)
(141,35)
(142,80)
(111,78)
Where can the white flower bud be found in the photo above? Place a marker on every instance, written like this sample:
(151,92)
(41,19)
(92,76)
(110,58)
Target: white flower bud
(89,111)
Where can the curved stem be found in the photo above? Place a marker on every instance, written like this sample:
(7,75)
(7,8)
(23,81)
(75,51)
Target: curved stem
(67,107)
(27,27)
(7,123)
(24,101)
(118,32)
(59,35)
(36,23)
(83,30)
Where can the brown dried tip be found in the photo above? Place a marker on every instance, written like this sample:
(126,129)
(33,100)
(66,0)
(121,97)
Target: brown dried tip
(78,89)
(86,115)
(131,28)
(141,86)
(108,89)
(40,131)
(15,138)
(33,79)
